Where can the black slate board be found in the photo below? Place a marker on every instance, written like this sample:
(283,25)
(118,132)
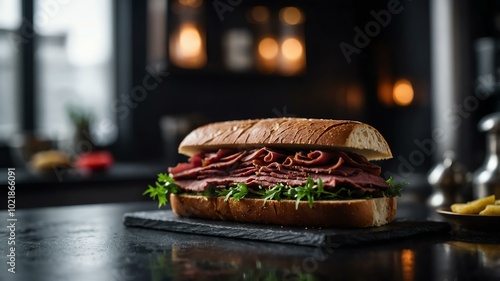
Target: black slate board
(167,220)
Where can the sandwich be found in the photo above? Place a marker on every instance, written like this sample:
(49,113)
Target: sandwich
(282,171)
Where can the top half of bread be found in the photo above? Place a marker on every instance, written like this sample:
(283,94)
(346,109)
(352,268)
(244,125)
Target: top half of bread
(288,133)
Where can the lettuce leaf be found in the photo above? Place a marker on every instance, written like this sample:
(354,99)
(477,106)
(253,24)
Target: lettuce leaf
(310,192)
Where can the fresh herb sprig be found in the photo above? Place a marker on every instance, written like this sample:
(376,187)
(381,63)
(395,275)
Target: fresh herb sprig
(310,192)
(163,187)
(236,192)
(273,193)
(394,188)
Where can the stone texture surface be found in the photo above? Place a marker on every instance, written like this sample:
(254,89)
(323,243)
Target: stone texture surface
(167,220)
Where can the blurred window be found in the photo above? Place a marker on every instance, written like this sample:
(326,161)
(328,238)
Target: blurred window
(10,21)
(74,66)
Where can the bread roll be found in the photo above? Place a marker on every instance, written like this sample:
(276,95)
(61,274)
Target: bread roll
(289,133)
(339,213)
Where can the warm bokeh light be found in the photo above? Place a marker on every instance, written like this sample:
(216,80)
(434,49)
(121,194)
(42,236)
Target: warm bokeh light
(355,98)
(403,92)
(260,14)
(384,92)
(268,48)
(191,3)
(187,49)
(267,55)
(292,44)
(291,15)
(189,41)
(292,49)
(408,264)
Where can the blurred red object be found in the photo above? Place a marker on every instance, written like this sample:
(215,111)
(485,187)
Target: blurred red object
(99,160)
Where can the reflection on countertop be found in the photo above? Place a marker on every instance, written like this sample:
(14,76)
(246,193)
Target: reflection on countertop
(91,243)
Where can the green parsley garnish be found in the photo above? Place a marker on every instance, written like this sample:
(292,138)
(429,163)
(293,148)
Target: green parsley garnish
(274,193)
(236,192)
(394,188)
(163,187)
(310,192)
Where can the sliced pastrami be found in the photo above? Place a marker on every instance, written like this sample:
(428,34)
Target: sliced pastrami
(268,167)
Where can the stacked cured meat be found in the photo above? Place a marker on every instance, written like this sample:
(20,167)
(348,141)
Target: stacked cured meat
(267,167)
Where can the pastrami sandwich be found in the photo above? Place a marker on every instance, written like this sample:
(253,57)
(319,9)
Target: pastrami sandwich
(283,171)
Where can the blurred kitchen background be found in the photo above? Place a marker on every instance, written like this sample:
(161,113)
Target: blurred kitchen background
(95,95)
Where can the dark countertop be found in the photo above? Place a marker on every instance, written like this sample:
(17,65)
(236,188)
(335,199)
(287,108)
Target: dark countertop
(90,242)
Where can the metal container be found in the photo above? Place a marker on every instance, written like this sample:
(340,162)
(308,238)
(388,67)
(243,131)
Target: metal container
(449,180)
(486,179)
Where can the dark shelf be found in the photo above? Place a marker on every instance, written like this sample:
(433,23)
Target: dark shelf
(124,182)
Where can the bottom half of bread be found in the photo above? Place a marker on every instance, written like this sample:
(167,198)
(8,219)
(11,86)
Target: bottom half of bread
(324,213)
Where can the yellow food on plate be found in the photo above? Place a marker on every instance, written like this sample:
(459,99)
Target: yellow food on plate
(473,207)
(491,210)
(497,202)
(47,160)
